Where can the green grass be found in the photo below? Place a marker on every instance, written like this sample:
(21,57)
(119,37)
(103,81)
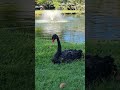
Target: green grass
(111,84)
(108,85)
(103,48)
(48,76)
(16,59)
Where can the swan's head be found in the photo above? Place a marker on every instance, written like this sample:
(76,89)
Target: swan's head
(55,36)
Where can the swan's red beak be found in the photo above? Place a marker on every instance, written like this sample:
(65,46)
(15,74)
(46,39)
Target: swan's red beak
(53,40)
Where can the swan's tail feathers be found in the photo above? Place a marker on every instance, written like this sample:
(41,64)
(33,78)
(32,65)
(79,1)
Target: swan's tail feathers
(81,53)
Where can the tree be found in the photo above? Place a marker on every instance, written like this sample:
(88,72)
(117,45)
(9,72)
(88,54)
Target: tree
(56,3)
(40,1)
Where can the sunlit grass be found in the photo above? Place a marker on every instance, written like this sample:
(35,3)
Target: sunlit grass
(48,76)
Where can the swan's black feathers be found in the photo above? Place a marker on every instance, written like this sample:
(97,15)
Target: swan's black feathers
(66,55)
(56,59)
(98,68)
(71,54)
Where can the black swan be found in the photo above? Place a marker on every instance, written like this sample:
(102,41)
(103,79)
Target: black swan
(65,56)
(98,68)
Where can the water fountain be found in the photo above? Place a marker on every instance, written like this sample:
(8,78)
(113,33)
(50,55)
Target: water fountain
(70,27)
(51,16)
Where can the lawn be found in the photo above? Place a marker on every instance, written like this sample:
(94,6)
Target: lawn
(16,59)
(104,48)
(49,76)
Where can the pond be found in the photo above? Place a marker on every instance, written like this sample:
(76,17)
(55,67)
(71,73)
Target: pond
(70,29)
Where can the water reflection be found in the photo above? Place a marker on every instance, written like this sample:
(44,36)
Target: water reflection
(71,36)
(71,31)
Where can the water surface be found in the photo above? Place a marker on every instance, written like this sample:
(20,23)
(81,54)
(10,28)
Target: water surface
(71,29)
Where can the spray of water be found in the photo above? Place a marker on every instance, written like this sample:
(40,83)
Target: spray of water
(50,16)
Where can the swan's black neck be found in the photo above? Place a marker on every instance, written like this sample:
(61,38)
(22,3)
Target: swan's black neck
(59,45)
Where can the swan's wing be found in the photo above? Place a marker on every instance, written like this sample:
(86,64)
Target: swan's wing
(66,54)
(71,54)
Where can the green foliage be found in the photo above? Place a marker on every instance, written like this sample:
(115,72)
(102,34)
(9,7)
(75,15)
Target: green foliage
(56,4)
(40,1)
(78,4)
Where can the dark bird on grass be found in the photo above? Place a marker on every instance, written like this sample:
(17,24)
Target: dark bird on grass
(65,56)
(98,68)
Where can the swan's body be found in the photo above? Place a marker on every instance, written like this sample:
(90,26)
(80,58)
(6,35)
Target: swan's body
(66,55)
(98,67)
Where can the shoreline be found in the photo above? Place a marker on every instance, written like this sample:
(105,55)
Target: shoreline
(39,12)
